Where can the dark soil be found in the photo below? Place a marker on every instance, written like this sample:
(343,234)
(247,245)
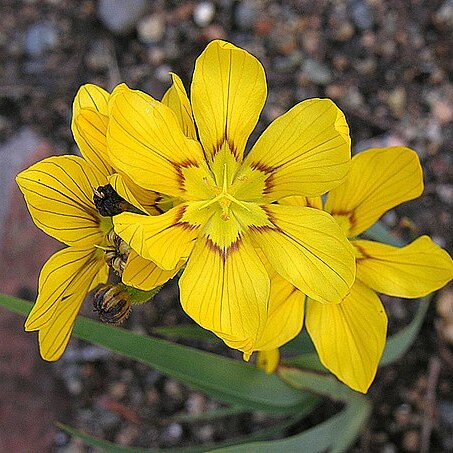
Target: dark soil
(388,66)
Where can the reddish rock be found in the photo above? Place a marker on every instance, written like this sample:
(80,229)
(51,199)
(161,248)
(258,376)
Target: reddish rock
(30,403)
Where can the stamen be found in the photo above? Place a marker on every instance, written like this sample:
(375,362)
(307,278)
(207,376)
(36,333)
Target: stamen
(98,193)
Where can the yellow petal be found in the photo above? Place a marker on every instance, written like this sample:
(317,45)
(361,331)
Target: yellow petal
(92,97)
(164,239)
(349,337)
(286,314)
(411,271)
(298,200)
(176,98)
(268,360)
(145,200)
(307,248)
(89,126)
(59,196)
(65,280)
(146,142)
(379,179)
(228,94)
(305,152)
(145,274)
(226,291)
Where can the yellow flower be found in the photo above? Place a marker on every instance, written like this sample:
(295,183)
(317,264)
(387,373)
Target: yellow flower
(59,196)
(225,216)
(350,337)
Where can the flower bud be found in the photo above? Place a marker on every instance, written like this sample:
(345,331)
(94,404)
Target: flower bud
(113,303)
(108,202)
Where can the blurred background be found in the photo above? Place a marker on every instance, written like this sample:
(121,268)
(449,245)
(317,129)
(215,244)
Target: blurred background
(388,66)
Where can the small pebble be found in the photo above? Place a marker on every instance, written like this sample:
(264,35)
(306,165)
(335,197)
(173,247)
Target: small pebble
(444,305)
(246,14)
(151,29)
(119,16)
(445,411)
(362,14)
(316,72)
(196,404)
(344,31)
(205,433)
(173,389)
(203,14)
(173,433)
(444,14)
(445,193)
(443,111)
(403,415)
(411,441)
(40,38)
(98,57)
(162,73)
(118,390)
(397,101)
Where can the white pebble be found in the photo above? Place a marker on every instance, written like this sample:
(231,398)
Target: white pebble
(204,13)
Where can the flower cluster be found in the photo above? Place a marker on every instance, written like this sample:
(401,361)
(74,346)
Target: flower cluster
(166,188)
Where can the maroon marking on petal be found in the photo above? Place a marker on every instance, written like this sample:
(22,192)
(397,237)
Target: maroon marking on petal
(179,212)
(187,163)
(269,215)
(233,149)
(350,214)
(180,176)
(224,253)
(362,252)
(269,184)
(262,167)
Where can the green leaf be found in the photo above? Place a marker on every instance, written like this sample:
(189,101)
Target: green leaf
(188,332)
(319,383)
(333,435)
(398,344)
(265,433)
(310,361)
(379,232)
(232,381)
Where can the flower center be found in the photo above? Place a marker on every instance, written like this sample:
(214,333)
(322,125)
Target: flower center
(224,199)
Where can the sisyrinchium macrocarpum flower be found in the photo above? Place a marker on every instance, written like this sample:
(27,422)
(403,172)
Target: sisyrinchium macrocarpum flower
(59,195)
(350,337)
(225,222)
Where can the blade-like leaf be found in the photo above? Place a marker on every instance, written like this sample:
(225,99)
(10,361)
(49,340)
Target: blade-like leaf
(228,380)
(187,332)
(265,433)
(378,232)
(333,435)
(310,361)
(399,343)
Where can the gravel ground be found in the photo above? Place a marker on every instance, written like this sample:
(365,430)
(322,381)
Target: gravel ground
(388,65)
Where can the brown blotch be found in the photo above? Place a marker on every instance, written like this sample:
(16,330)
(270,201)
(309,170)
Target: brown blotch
(224,253)
(263,228)
(180,211)
(178,168)
(262,167)
(187,163)
(362,252)
(269,215)
(350,215)
(269,184)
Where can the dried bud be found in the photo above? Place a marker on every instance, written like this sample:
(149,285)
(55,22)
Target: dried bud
(113,303)
(108,202)
(117,254)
